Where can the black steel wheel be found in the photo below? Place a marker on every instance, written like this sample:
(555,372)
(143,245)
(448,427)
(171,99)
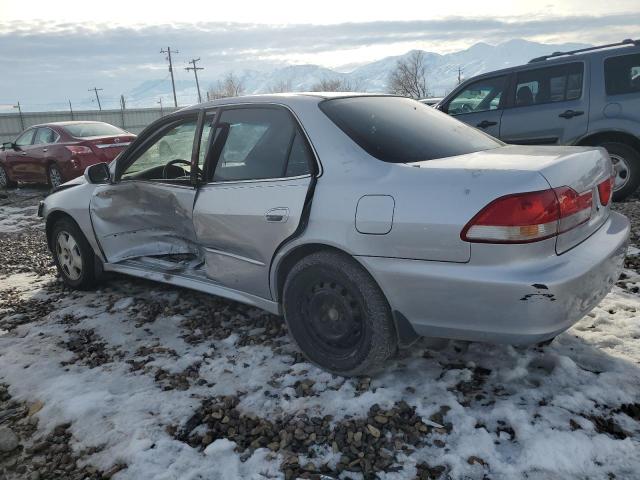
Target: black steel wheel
(338,315)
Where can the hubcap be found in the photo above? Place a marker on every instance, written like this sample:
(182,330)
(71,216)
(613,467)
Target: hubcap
(3,178)
(621,170)
(69,256)
(334,317)
(55,177)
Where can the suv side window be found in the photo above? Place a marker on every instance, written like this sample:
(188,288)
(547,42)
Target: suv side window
(260,144)
(26,138)
(548,85)
(480,96)
(622,74)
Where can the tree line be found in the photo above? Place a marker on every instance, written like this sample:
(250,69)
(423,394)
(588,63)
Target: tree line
(408,79)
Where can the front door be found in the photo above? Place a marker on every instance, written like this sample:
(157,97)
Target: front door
(19,159)
(147,211)
(257,179)
(480,104)
(549,107)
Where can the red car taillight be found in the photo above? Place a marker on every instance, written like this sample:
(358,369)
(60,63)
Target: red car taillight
(529,217)
(79,150)
(605,189)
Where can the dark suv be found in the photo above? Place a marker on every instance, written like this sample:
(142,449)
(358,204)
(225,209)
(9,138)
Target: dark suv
(585,97)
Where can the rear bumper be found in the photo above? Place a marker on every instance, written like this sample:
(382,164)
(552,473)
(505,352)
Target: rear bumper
(520,303)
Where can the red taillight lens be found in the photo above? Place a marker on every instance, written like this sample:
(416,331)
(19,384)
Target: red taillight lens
(604,190)
(79,149)
(529,217)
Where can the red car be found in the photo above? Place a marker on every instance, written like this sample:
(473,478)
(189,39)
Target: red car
(54,153)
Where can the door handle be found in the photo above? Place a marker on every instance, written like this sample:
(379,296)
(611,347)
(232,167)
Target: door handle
(571,113)
(486,123)
(44,149)
(23,153)
(279,214)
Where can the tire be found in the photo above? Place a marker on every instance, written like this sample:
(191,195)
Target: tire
(55,177)
(337,315)
(73,255)
(625,159)
(4,179)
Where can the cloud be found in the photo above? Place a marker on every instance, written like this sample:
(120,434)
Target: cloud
(44,60)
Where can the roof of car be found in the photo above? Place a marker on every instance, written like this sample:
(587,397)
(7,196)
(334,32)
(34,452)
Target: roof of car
(64,124)
(277,98)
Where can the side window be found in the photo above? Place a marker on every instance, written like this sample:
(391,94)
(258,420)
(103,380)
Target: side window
(622,74)
(258,144)
(26,138)
(44,136)
(167,158)
(478,97)
(300,157)
(548,85)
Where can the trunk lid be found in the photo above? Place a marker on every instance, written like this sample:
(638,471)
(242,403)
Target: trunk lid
(580,168)
(107,148)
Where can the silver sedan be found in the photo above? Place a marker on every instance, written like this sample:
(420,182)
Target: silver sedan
(366,220)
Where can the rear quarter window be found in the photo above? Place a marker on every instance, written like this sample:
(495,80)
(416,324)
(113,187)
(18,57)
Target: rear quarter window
(401,130)
(622,74)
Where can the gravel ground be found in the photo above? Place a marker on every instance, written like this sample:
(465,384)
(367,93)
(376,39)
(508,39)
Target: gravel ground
(228,373)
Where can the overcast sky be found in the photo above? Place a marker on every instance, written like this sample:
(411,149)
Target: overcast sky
(54,50)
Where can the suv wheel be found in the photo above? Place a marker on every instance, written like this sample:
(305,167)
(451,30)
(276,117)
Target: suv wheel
(4,179)
(338,315)
(73,255)
(55,177)
(626,163)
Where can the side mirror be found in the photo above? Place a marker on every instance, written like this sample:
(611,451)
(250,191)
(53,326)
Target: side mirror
(7,146)
(98,173)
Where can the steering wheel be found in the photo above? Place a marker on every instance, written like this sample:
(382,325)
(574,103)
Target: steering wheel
(172,163)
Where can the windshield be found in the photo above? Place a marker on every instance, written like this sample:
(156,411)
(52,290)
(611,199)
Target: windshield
(401,130)
(82,130)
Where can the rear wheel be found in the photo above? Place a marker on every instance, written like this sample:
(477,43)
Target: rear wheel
(55,177)
(4,179)
(626,163)
(73,255)
(338,315)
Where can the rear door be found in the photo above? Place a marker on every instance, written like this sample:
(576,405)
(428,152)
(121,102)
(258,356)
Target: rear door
(550,106)
(19,159)
(480,104)
(40,155)
(258,174)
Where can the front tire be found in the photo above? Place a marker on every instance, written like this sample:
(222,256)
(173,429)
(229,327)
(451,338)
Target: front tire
(4,179)
(626,162)
(73,255)
(55,177)
(337,315)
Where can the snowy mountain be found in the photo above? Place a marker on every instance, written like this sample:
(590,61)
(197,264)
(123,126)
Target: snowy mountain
(442,72)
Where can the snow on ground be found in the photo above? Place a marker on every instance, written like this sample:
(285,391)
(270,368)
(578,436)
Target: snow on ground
(148,375)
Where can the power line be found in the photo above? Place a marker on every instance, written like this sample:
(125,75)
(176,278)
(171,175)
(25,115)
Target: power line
(96,90)
(195,72)
(173,83)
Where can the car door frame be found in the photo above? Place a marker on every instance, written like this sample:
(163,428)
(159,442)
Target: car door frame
(211,164)
(147,138)
(505,99)
(40,158)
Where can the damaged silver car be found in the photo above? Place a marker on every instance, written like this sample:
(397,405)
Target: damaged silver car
(366,220)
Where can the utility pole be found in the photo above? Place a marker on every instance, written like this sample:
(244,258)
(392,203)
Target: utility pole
(459,75)
(208,98)
(123,105)
(195,72)
(173,83)
(160,102)
(96,90)
(20,113)
(71,109)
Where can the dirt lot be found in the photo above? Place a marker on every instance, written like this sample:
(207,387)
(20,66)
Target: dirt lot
(138,380)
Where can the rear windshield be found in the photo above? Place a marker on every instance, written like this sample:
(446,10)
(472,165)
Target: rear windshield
(81,130)
(401,130)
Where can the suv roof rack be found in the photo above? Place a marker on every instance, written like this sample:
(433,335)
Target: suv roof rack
(626,41)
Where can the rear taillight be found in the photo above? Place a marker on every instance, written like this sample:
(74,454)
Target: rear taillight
(604,191)
(529,217)
(79,150)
